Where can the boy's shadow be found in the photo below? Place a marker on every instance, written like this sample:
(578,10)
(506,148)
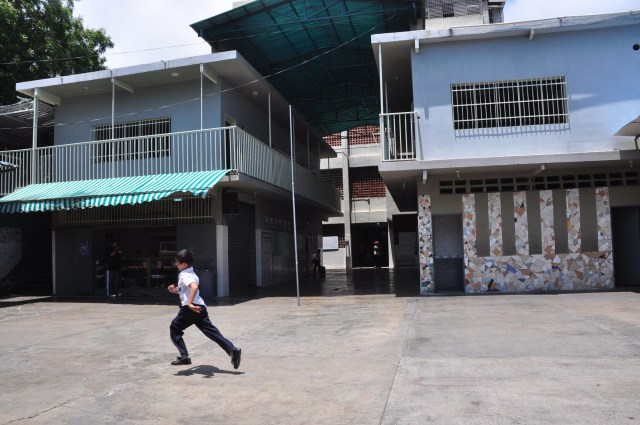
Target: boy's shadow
(206,371)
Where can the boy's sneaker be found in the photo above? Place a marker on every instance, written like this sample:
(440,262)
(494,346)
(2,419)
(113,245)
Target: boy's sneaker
(235,358)
(180,361)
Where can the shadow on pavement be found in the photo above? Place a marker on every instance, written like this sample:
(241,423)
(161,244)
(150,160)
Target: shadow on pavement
(402,282)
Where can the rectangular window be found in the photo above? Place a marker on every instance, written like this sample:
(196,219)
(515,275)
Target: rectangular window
(135,140)
(515,103)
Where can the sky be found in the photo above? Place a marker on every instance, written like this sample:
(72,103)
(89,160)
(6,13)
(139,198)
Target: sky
(145,31)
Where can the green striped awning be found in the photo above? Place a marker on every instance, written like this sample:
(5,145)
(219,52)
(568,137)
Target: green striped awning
(108,192)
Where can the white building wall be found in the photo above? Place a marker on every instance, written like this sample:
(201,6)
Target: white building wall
(606,93)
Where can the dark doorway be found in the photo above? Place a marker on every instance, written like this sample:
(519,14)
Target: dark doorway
(242,250)
(405,240)
(363,236)
(625,229)
(448,256)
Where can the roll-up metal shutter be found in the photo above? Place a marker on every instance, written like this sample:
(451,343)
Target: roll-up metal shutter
(242,250)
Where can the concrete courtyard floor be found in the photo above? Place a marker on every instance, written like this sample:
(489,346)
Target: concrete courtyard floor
(352,359)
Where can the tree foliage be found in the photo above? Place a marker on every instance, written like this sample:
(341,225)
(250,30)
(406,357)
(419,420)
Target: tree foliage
(42,39)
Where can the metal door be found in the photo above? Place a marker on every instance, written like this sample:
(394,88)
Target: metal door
(625,223)
(448,250)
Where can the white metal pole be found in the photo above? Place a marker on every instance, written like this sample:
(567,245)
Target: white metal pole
(201,94)
(113,126)
(293,199)
(34,140)
(113,108)
(382,130)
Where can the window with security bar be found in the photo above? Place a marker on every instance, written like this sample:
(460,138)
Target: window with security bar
(161,213)
(514,103)
(136,140)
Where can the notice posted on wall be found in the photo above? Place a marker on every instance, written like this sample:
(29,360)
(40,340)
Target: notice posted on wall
(329,243)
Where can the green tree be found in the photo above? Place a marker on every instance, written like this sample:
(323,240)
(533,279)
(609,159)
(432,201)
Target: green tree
(42,39)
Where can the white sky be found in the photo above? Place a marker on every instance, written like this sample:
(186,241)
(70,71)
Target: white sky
(146,31)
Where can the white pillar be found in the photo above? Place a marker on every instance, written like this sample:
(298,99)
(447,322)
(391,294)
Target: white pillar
(222,260)
(34,138)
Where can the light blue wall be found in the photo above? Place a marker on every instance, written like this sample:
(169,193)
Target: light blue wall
(601,70)
(76,116)
(251,114)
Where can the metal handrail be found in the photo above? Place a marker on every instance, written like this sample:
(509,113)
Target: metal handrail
(399,136)
(196,150)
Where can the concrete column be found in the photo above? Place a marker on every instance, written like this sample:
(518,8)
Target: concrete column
(259,221)
(605,239)
(469,230)
(346,201)
(573,221)
(521,222)
(222,246)
(495,225)
(425,241)
(547,228)
(222,260)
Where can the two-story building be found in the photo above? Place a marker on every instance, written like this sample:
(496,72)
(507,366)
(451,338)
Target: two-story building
(190,153)
(512,143)
(506,138)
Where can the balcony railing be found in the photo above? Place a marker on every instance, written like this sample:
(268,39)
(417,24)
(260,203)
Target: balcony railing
(199,150)
(400,134)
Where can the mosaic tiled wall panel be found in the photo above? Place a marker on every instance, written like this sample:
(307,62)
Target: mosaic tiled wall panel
(495,225)
(573,221)
(521,223)
(563,272)
(548,271)
(546,222)
(11,249)
(425,235)
(469,225)
(603,211)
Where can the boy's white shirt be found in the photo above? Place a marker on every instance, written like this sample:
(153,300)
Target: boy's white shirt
(186,277)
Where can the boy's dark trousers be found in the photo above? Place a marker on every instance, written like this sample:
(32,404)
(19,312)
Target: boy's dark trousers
(185,318)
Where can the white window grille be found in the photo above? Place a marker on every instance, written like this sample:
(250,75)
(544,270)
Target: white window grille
(452,8)
(165,212)
(514,103)
(139,139)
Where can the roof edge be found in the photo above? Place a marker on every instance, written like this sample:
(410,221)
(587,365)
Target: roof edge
(569,23)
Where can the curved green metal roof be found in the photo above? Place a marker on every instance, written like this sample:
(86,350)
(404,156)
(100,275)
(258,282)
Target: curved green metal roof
(316,53)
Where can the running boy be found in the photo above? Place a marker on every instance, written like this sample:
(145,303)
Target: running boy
(193,311)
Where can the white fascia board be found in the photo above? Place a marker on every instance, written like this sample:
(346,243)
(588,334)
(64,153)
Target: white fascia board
(27,87)
(507,161)
(570,23)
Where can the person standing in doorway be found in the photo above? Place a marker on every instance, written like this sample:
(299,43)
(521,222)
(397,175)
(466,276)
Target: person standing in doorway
(193,311)
(113,262)
(376,254)
(316,262)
